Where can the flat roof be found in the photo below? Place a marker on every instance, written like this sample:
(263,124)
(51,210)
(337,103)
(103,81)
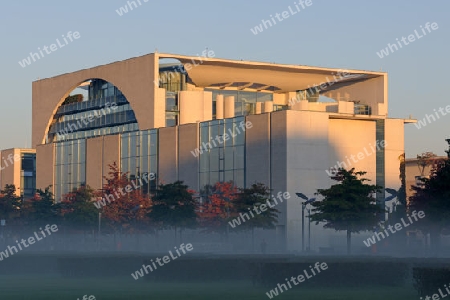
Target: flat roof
(210,71)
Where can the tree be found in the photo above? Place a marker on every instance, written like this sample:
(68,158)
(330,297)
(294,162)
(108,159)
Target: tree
(349,205)
(433,197)
(254,201)
(424,160)
(41,209)
(123,204)
(77,209)
(10,203)
(174,207)
(215,213)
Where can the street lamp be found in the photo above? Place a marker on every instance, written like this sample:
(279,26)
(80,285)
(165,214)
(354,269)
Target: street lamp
(304,204)
(99,229)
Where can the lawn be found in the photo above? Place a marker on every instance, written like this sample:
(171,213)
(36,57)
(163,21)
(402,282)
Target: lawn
(53,287)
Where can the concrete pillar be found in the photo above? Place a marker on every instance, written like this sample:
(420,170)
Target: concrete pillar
(301,105)
(219,107)
(258,109)
(268,107)
(229,107)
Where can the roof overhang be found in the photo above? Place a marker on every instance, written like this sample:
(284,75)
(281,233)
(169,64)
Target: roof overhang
(213,72)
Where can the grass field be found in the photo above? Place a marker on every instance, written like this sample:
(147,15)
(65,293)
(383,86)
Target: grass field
(55,288)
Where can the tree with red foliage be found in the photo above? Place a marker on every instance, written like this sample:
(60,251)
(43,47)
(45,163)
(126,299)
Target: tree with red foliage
(125,207)
(218,207)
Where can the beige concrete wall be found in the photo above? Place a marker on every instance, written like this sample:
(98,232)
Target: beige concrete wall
(353,144)
(100,152)
(160,109)
(188,164)
(278,150)
(372,92)
(10,168)
(257,154)
(280,99)
(345,107)
(267,107)
(395,147)
(45,162)
(195,106)
(168,158)
(135,77)
(229,106)
(307,155)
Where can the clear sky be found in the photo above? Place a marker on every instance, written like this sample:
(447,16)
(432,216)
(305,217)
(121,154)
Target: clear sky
(328,33)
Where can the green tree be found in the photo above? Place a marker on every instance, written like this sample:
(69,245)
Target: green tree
(78,209)
(349,205)
(10,203)
(173,207)
(433,197)
(41,209)
(254,200)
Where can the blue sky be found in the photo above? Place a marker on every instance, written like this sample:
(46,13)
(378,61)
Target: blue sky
(340,34)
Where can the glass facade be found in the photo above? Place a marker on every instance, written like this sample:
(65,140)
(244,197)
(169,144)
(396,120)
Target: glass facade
(172,110)
(224,161)
(139,156)
(70,166)
(245,101)
(28,175)
(106,111)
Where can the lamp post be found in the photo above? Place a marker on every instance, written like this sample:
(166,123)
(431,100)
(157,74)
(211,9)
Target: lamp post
(304,204)
(309,230)
(99,229)
(448,151)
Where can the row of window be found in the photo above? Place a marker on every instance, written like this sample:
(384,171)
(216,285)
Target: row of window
(96,113)
(223,155)
(222,161)
(97,132)
(91,104)
(109,120)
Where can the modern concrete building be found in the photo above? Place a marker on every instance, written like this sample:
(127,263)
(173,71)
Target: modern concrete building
(18,167)
(149,115)
(418,168)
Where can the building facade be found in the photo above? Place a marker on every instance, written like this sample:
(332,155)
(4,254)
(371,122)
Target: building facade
(18,167)
(204,120)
